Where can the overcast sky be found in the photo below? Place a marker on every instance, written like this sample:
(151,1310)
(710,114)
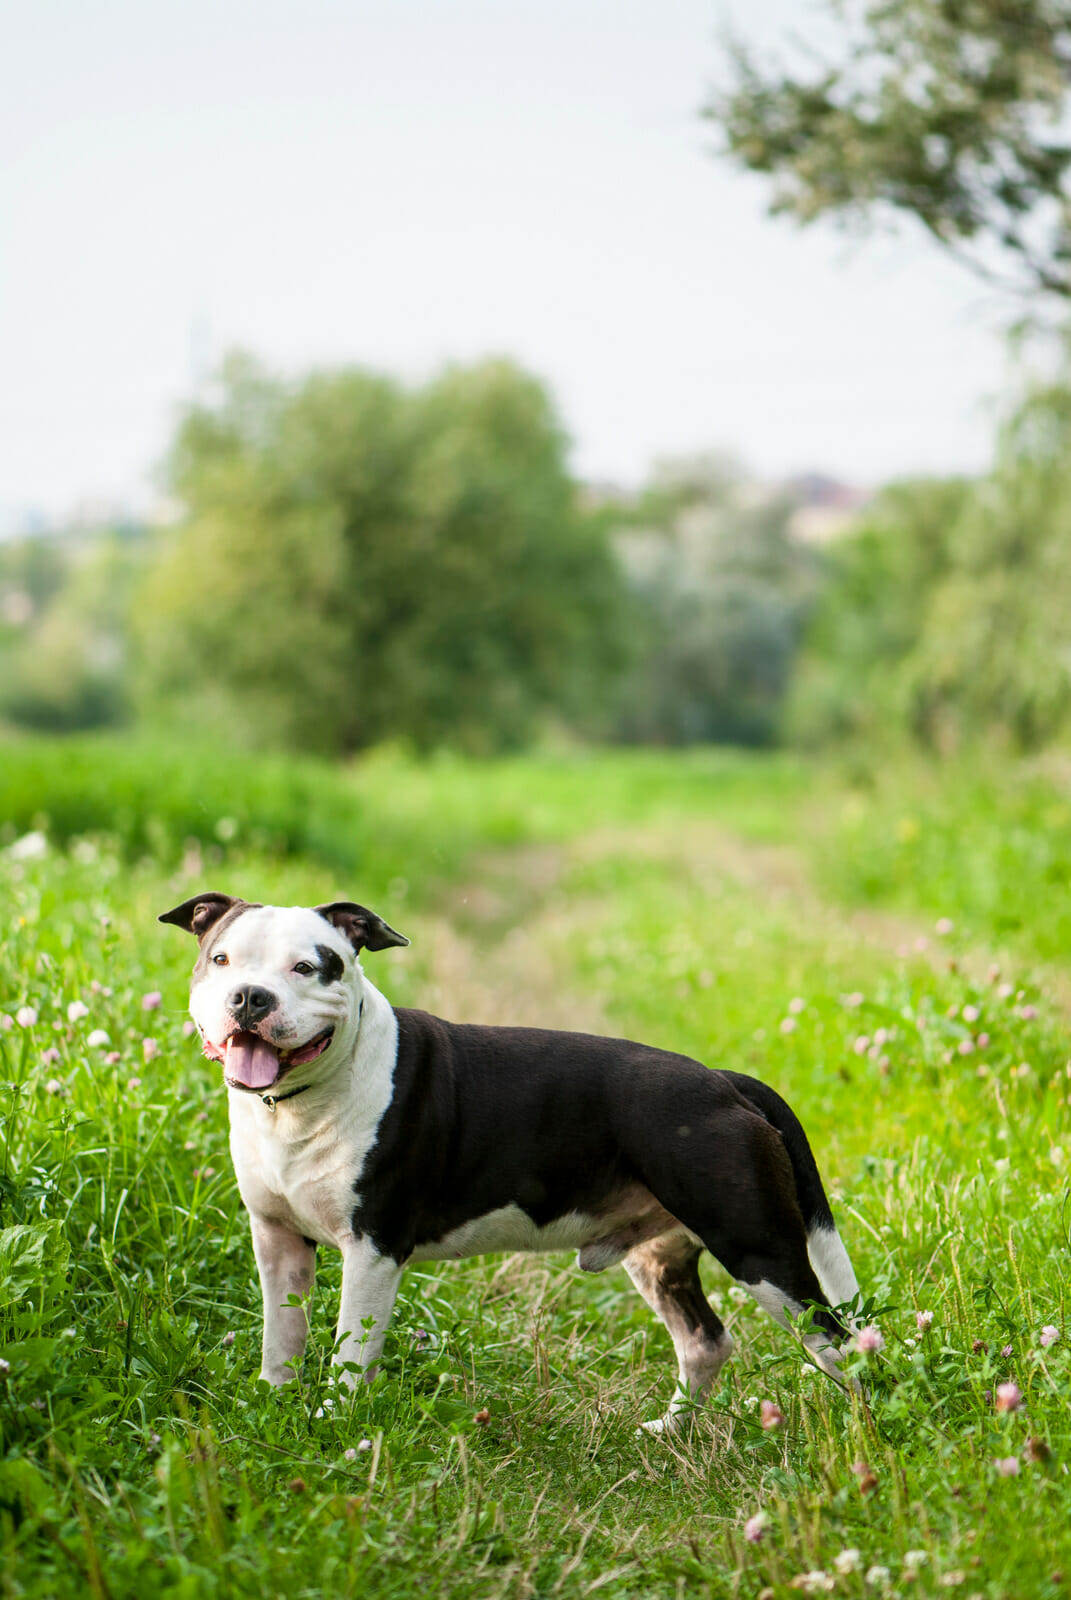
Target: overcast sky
(401,183)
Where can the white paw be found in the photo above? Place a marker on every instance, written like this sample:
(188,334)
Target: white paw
(672,1422)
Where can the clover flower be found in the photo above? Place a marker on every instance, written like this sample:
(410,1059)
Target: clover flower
(881,1575)
(26,1016)
(943,927)
(923,1320)
(77,1010)
(869,1339)
(1009,1397)
(1049,1335)
(771,1415)
(755,1527)
(98,1039)
(848,1561)
(1008,1466)
(788,1024)
(150,1049)
(152,1000)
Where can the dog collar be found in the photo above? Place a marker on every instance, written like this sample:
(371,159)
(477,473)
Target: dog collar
(272,1100)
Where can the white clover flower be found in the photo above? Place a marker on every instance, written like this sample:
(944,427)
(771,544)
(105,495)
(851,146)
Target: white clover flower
(77,1010)
(98,1039)
(914,1559)
(847,1561)
(26,1016)
(881,1575)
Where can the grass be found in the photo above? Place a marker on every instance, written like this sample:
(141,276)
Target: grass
(682,899)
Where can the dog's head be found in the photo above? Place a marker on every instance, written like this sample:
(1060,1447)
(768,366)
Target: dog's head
(276,987)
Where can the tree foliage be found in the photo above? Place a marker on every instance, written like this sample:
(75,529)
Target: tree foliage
(945,615)
(952,111)
(722,590)
(365,562)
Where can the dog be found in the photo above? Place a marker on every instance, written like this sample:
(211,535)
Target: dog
(396,1137)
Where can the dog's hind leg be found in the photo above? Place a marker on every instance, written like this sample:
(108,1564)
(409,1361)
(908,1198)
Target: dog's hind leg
(666,1273)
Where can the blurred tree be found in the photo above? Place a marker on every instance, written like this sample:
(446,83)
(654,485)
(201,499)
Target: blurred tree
(721,590)
(945,615)
(364,562)
(953,111)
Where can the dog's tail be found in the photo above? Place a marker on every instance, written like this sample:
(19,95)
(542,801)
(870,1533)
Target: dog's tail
(829,1258)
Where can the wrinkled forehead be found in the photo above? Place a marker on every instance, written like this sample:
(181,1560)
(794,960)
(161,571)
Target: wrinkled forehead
(275,936)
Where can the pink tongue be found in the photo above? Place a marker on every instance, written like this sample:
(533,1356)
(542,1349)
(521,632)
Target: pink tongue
(251,1061)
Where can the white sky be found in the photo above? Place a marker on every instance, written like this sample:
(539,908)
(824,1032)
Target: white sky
(403,182)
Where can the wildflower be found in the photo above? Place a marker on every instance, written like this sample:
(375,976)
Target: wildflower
(133,1083)
(914,1559)
(951,1580)
(966,1047)
(483,1416)
(923,1320)
(5,1367)
(98,1039)
(364,1444)
(38,1404)
(6,1022)
(1049,1335)
(982,1041)
(1005,991)
(113,1058)
(943,926)
(31,847)
(150,1049)
(855,999)
(77,1010)
(816,1582)
(922,943)
(55,1086)
(755,1527)
(795,1006)
(350,1454)
(788,1024)
(970,1013)
(1008,1466)
(153,1442)
(1028,1013)
(847,1561)
(188,1028)
(1007,1351)
(770,1415)
(868,1479)
(1009,1397)
(152,1000)
(228,1338)
(993,974)
(861,1045)
(49,1056)
(876,1575)
(869,1339)
(26,1016)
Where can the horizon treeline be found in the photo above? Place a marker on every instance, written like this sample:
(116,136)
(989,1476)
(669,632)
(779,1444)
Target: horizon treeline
(360,561)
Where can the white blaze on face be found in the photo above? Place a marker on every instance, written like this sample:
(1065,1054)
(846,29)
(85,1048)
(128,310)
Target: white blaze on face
(263,947)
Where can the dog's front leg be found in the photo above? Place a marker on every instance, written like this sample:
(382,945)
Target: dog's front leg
(287,1266)
(369,1285)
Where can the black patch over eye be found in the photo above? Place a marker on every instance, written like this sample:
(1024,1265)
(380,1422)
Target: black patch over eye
(304,967)
(331,964)
(221,960)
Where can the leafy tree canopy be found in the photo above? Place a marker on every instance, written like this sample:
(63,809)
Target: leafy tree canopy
(952,111)
(363,561)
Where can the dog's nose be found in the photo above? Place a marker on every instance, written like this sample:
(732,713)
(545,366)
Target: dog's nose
(248,1004)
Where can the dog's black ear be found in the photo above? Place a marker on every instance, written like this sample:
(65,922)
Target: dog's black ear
(201,913)
(362,927)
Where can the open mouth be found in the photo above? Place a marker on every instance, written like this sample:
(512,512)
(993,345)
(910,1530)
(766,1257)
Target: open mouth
(250,1062)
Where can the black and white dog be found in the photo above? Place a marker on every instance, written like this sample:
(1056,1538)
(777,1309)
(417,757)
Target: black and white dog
(398,1137)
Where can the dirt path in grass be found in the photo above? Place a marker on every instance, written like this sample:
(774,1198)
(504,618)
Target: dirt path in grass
(496,938)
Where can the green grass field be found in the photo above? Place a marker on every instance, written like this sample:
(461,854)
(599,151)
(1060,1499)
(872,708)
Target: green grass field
(755,912)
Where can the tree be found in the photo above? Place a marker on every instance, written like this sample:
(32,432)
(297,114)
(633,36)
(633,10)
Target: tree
(362,561)
(721,591)
(951,111)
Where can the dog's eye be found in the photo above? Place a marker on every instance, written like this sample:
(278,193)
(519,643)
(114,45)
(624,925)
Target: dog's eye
(304,967)
(221,960)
